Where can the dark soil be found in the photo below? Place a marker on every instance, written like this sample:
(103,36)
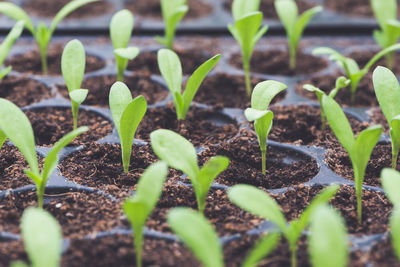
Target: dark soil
(358,8)
(382,254)
(12,251)
(362,58)
(202,126)
(23,91)
(276,62)
(51,124)
(99,89)
(339,161)
(377,117)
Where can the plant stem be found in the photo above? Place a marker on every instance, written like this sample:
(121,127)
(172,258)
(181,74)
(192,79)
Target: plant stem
(40,194)
(389,60)
(264,162)
(394,158)
(138,247)
(293,255)
(43,55)
(292,58)
(246,68)
(75,110)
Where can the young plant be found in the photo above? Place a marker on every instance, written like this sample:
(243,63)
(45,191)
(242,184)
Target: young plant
(173,12)
(73,63)
(171,69)
(359,149)
(41,32)
(42,238)
(341,82)
(139,206)
(294,24)
(259,203)
(7,44)
(121,28)
(127,114)
(180,154)
(247,31)
(387,92)
(350,66)
(15,125)
(262,96)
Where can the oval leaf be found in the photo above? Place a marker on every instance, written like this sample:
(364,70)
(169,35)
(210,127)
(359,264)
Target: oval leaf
(73,62)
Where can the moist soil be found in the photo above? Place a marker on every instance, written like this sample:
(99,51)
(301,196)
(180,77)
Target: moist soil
(12,251)
(201,127)
(357,8)
(376,116)
(339,161)
(382,254)
(51,124)
(276,62)
(99,89)
(362,58)
(23,91)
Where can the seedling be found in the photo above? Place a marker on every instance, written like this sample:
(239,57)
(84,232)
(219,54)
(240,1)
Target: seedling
(294,24)
(247,31)
(127,114)
(395,231)
(180,154)
(341,82)
(41,32)
(42,238)
(350,66)
(327,242)
(359,149)
(7,44)
(262,96)
(171,69)
(387,92)
(15,125)
(173,12)
(73,62)
(259,203)
(139,206)
(121,28)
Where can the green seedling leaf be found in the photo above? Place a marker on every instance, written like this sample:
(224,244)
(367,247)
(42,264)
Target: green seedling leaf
(8,43)
(395,232)
(241,8)
(4,72)
(391,183)
(127,114)
(127,53)
(78,95)
(261,250)
(198,234)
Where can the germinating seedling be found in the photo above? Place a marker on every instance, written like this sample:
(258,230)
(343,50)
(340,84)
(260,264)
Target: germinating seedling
(7,44)
(350,66)
(171,69)
(387,90)
(262,96)
(139,207)
(180,154)
(359,149)
(259,203)
(173,12)
(41,32)
(121,28)
(294,24)
(15,126)
(127,114)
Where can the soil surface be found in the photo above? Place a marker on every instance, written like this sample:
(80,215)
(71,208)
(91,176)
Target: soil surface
(377,117)
(382,254)
(12,251)
(358,8)
(51,124)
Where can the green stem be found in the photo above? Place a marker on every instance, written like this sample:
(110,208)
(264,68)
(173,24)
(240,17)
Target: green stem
(43,55)
(394,158)
(353,90)
(293,256)
(389,60)
(40,195)
(138,236)
(75,110)
(292,58)
(359,189)
(246,68)
(264,162)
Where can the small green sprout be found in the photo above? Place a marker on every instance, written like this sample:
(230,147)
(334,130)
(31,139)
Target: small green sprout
(359,149)
(262,96)
(247,31)
(15,125)
(42,238)
(180,154)
(127,114)
(387,92)
(294,24)
(259,203)
(327,242)
(139,207)
(173,12)
(41,33)
(73,63)
(261,249)
(121,28)
(341,82)
(350,66)
(171,69)
(7,44)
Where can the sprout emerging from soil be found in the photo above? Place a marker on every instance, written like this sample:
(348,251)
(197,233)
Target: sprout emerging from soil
(171,69)
(127,114)
(359,149)
(294,24)
(41,32)
(15,125)
(7,44)
(139,207)
(180,154)
(173,12)
(121,28)
(259,203)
